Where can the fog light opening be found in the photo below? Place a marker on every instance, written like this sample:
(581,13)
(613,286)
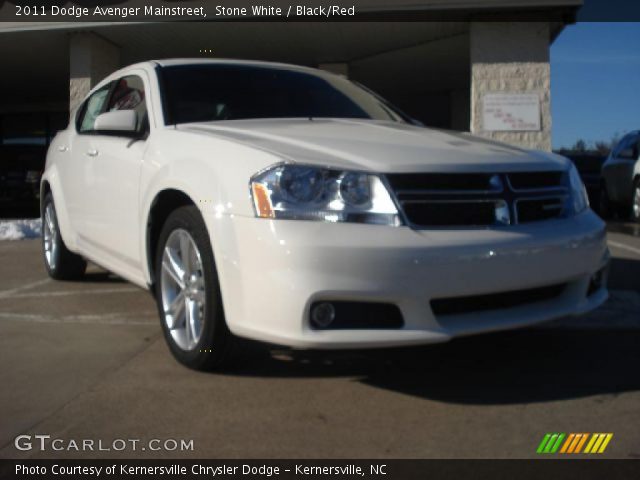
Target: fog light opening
(322,315)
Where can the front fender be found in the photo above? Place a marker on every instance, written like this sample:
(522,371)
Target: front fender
(214,174)
(51,177)
(194,179)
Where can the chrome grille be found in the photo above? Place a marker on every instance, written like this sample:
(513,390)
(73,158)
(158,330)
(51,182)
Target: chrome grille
(479,199)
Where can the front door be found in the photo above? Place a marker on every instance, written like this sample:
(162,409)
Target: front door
(110,179)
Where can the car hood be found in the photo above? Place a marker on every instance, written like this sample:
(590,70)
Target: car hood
(377,146)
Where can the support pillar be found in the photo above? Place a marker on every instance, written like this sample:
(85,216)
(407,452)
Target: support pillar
(511,58)
(91,58)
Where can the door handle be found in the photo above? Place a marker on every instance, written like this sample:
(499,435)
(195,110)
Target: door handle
(92,153)
(63,148)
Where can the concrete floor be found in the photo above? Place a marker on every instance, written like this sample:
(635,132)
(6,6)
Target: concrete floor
(87,361)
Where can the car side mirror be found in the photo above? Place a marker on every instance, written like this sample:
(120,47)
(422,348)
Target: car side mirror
(117,121)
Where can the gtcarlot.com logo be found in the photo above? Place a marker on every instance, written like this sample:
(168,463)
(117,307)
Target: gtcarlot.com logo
(45,442)
(574,443)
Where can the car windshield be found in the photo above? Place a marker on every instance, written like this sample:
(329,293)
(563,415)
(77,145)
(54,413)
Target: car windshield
(200,93)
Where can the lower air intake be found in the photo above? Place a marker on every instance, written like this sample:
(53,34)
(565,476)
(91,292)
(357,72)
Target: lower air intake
(494,301)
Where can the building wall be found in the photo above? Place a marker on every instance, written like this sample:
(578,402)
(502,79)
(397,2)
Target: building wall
(437,72)
(91,58)
(511,58)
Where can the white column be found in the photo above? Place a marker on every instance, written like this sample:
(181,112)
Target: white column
(91,58)
(511,58)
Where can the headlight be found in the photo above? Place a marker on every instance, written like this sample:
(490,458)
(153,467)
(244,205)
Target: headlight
(578,199)
(303,192)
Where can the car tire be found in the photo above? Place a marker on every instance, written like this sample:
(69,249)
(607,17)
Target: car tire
(635,201)
(188,294)
(60,262)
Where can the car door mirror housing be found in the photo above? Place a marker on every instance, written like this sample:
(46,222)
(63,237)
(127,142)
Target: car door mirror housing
(124,121)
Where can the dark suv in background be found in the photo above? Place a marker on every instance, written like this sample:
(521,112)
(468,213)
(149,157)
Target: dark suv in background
(24,139)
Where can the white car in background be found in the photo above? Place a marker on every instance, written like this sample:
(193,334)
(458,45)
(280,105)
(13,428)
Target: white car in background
(291,206)
(620,189)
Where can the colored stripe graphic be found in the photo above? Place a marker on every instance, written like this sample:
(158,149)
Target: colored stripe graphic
(556,446)
(596,445)
(573,443)
(581,443)
(567,442)
(543,443)
(594,437)
(598,442)
(550,443)
(606,442)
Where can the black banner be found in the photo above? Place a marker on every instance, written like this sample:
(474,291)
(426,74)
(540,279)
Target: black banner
(542,468)
(315,10)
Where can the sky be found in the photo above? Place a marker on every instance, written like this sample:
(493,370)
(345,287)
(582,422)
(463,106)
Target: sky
(595,82)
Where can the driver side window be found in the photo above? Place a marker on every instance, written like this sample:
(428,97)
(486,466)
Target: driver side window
(92,107)
(129,94)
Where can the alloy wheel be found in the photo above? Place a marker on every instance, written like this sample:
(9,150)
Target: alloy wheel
(183,289)
(50,235)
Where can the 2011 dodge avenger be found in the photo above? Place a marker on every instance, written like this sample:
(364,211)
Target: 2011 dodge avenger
(292,206)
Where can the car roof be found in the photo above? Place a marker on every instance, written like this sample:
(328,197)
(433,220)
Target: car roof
(170,62)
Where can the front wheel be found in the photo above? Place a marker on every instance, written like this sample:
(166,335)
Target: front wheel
(188,293)
(60,262)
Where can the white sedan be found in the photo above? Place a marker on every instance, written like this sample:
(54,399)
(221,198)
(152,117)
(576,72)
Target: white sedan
(291,206)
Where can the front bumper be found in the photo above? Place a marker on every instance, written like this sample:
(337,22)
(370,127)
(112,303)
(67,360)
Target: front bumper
(271,271)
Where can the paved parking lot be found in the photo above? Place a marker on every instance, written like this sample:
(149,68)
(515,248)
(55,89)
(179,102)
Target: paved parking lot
(87,361)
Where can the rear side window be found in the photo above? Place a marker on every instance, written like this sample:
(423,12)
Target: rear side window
(92,107)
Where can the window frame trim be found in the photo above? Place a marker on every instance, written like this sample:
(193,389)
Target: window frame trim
(80,113)
(114,133)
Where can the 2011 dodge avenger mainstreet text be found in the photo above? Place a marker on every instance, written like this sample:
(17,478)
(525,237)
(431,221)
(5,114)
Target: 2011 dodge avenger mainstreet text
(292,206)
